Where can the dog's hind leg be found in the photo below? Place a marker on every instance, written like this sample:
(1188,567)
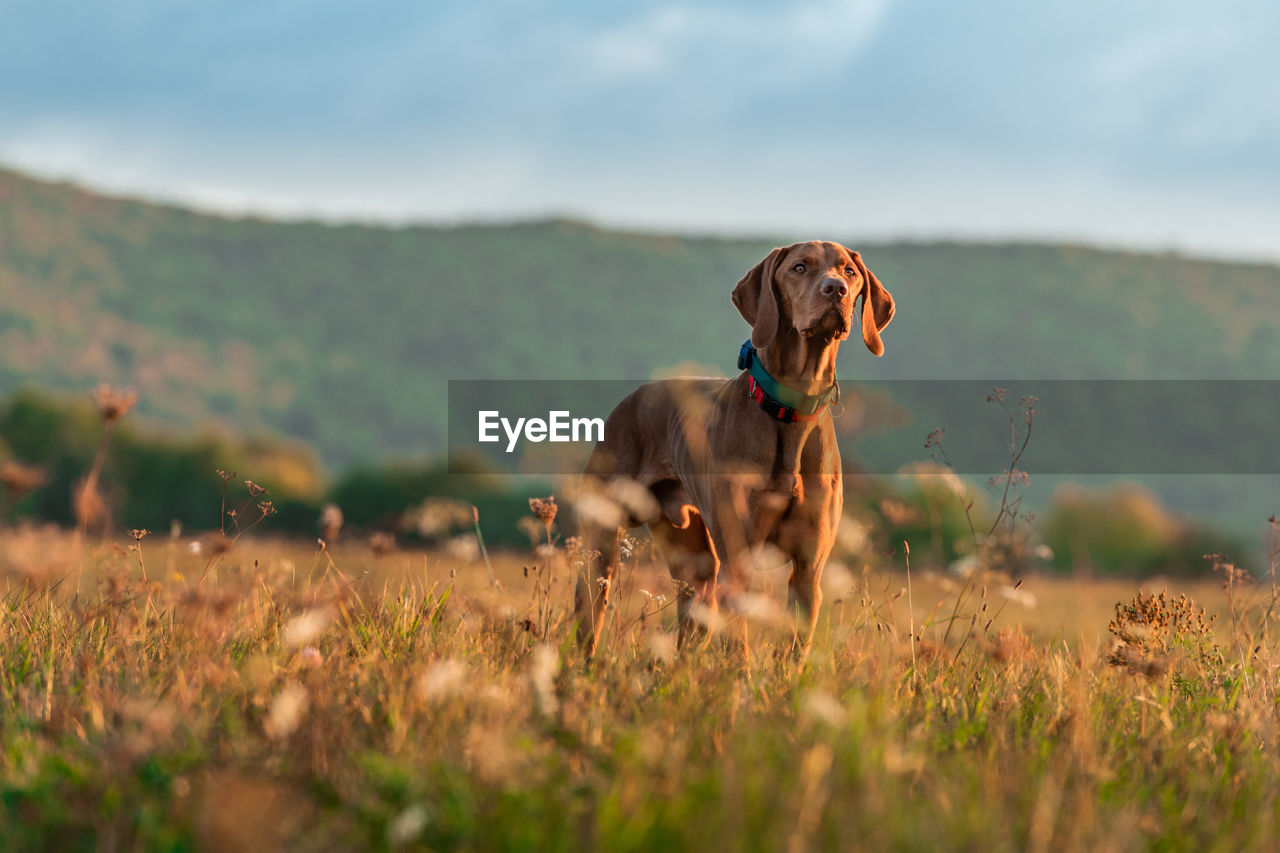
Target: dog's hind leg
(691,559)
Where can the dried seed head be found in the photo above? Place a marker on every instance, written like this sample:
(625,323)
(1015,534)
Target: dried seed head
(113,403)
(544,509)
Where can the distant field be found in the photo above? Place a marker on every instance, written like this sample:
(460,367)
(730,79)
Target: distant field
(282,695)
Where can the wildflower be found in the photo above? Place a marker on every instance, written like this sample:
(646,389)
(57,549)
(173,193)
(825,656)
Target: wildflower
(1014,477)
(934,438)
(633,496)
(464,548)
(599,510)
(310,656)
(407,826)
(757,606)
(707,617)
(662,646)
(543,665)
(215,543)
(113,403)
(438,515)
(441,680)
(583,557)
(544,509)
(254,489)
(837,580)
(767,557)
(306,627)
(852,536)
(1150,627)
(898,513)
(330,523)
(1029,410)
(287,711)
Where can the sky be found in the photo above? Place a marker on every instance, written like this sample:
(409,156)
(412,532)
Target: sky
(1152,125)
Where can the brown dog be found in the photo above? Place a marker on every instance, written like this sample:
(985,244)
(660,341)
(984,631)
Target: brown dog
(729,465)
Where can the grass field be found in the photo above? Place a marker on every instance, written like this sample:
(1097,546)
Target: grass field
(280,695)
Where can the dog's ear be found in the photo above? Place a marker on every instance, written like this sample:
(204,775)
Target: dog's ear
(756,297)
(877,307)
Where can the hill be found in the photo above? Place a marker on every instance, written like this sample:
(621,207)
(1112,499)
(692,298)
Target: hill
(344,336)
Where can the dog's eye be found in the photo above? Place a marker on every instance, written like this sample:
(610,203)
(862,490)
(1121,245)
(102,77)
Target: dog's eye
(849,271)
(798,268)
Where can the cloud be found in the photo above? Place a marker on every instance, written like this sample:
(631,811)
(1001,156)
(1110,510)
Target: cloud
(803,38)
(1118,122)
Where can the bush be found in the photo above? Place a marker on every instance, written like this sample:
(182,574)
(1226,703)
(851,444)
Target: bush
(149,478)
(1125,530)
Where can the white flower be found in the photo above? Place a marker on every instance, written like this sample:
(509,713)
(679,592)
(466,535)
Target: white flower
(599,510)
(287,711)
(463,548)
(305,628)
(544,663)
(408,825)
(441,680)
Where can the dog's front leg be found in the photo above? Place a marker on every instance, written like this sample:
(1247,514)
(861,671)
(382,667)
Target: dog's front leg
(809,547)
(744,518)
(804,598)
(591,594)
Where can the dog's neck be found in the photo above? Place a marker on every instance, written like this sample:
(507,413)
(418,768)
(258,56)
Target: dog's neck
(805,364)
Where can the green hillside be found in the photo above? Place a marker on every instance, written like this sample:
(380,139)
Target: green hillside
(343,336)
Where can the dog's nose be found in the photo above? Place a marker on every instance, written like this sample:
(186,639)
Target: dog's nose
(835,288)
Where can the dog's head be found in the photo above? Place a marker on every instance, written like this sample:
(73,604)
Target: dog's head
(811,287)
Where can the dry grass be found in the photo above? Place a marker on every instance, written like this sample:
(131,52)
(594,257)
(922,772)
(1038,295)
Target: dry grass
(349,697)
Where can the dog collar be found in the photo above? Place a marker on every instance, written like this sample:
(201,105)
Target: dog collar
(777,400)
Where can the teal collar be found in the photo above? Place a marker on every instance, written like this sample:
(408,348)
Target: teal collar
(779,401)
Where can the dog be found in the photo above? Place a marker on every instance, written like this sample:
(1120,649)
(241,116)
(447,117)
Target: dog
(723,467)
